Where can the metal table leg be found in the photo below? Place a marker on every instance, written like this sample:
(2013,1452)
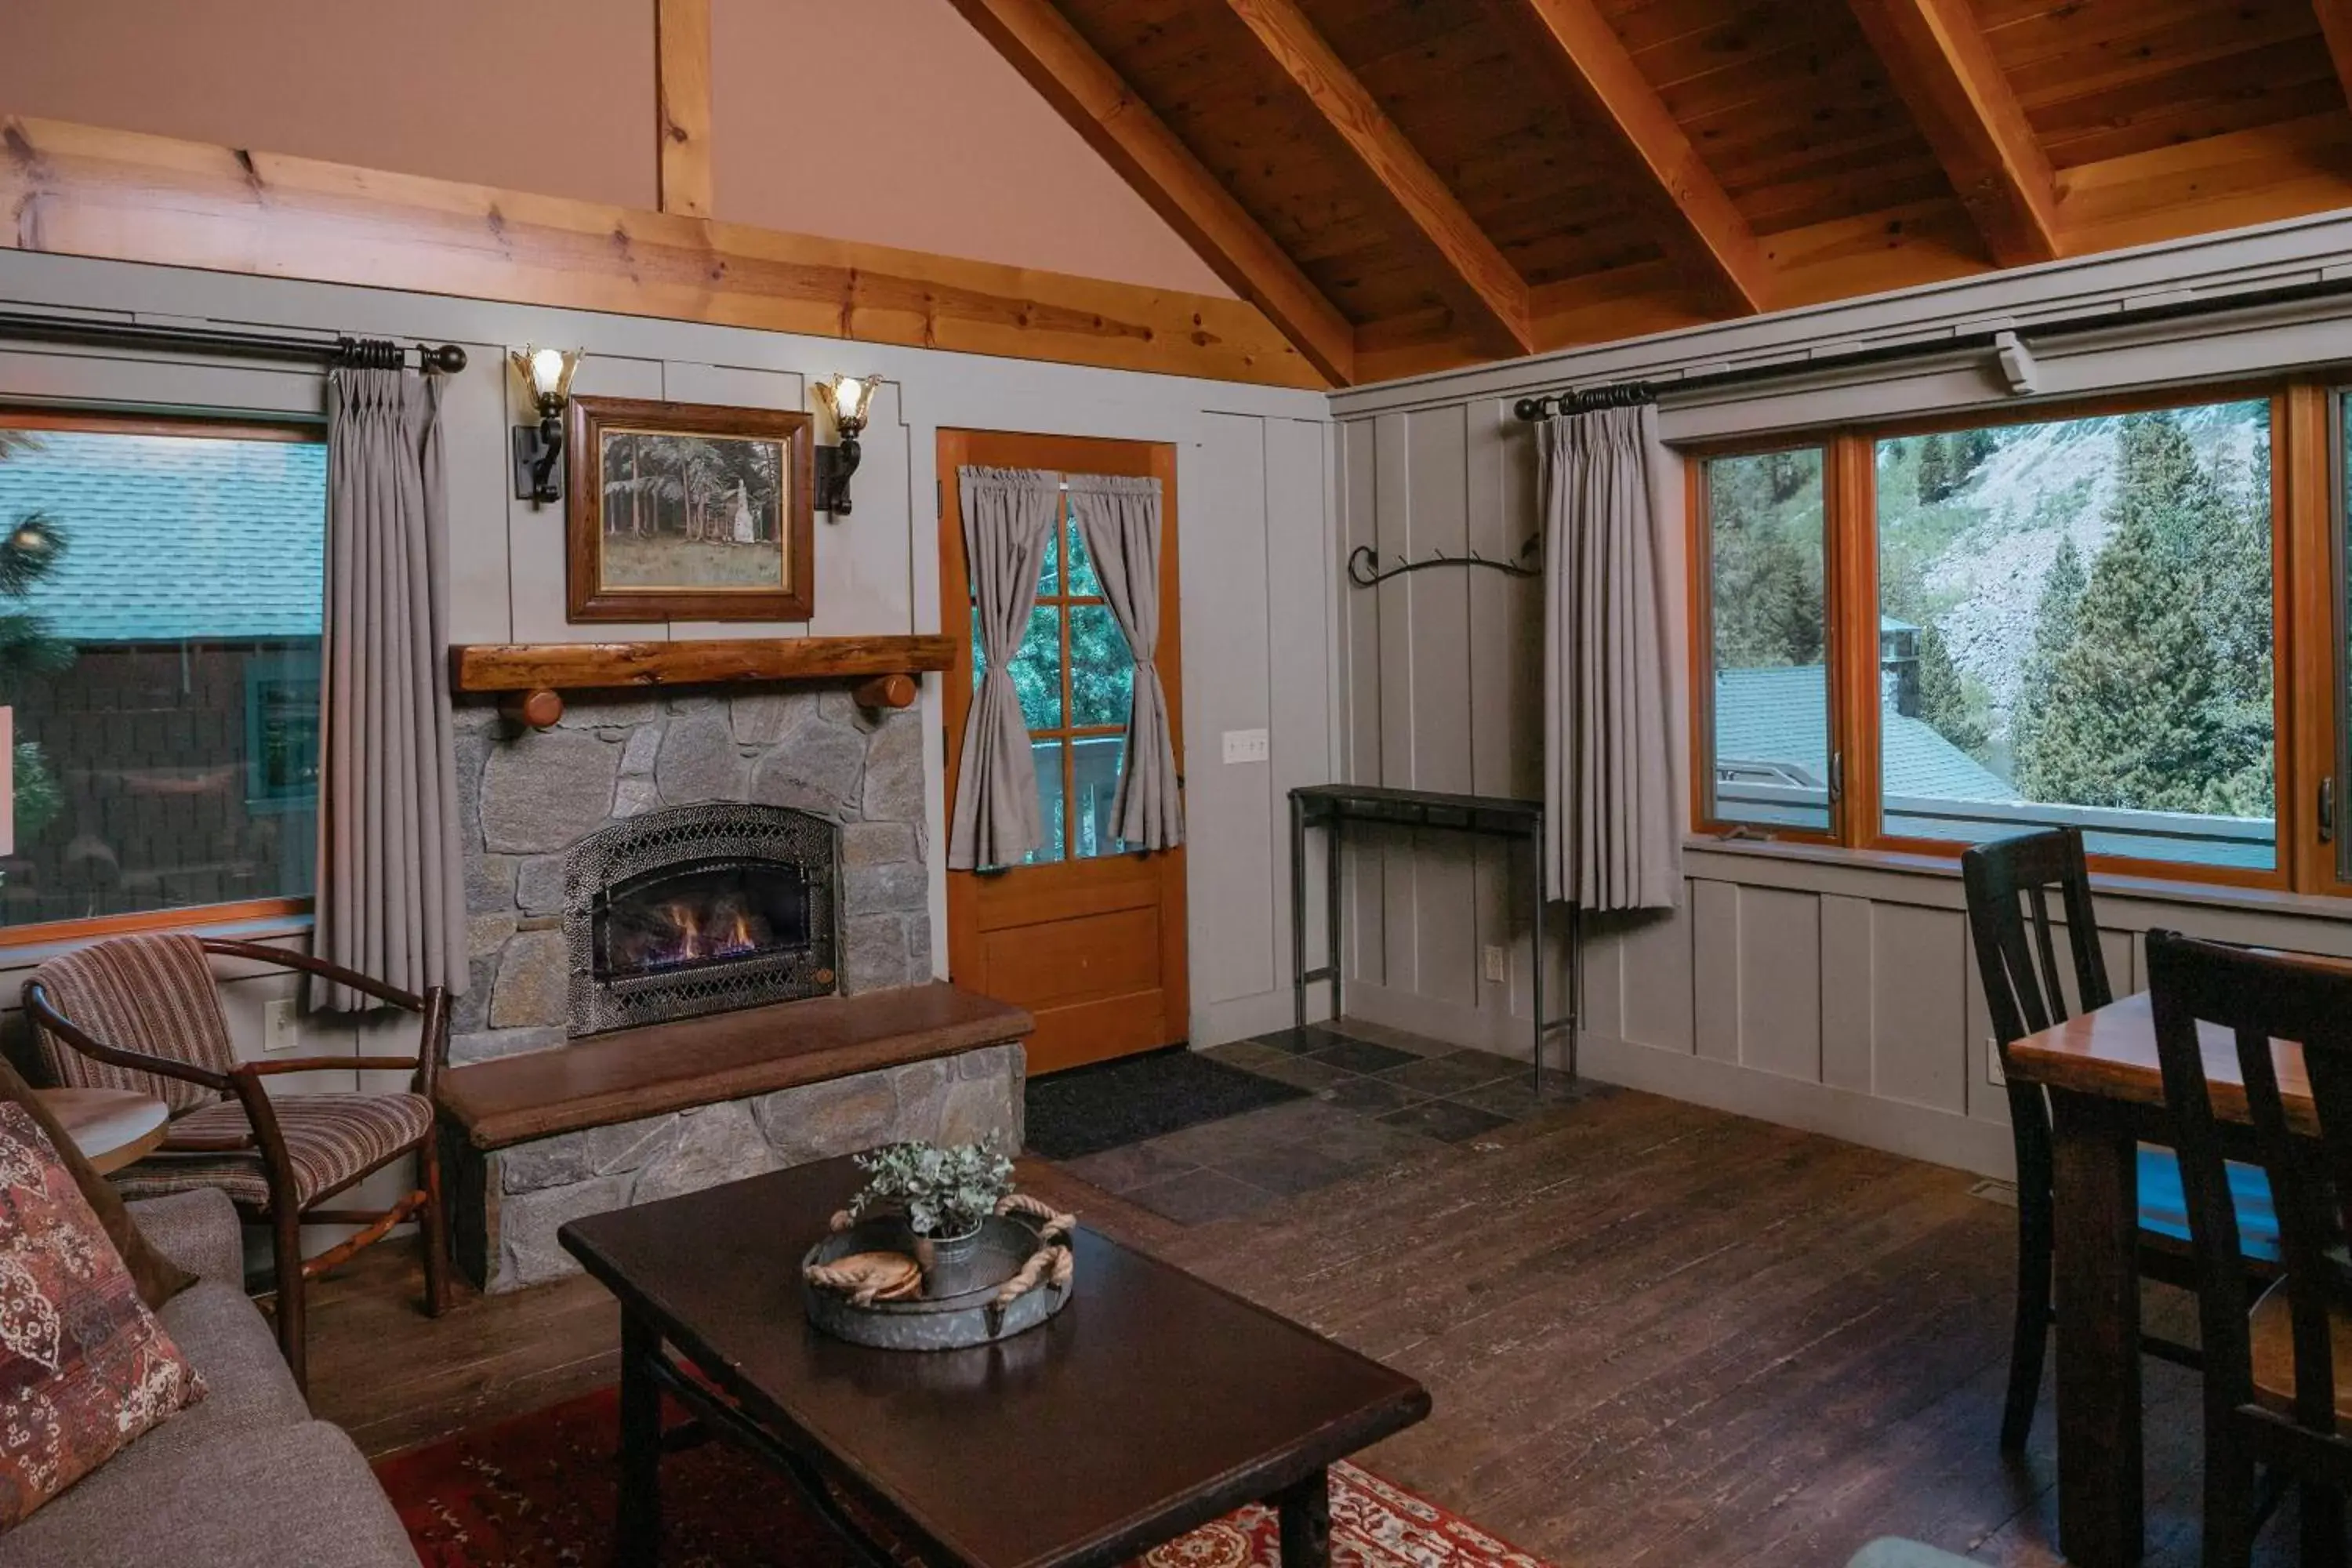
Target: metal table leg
(1298,913)
(1541,958)
(1331,842)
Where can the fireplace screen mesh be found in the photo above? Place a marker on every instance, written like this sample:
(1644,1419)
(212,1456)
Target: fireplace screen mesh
(697,910)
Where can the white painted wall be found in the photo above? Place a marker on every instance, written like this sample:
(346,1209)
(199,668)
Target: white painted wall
(1821,989)
(1254,516)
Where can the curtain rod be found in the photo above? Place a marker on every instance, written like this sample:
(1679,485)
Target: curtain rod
(379,354)
(1622,393)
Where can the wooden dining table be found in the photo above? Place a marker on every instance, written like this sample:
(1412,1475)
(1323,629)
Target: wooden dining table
(2106,1097)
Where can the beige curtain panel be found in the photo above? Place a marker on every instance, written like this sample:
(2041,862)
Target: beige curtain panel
(1008,516)
(392,900)
(1121,520)
(1612,816)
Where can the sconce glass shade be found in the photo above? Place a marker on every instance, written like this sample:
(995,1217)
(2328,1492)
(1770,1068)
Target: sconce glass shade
(547,372)
(847,396)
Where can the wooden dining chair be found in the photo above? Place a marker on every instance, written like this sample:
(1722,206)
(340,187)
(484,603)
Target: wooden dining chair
(144,1013)
(2010,884)
(2278,1368)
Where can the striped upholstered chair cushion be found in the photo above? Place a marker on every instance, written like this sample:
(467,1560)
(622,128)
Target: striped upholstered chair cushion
(149,993)
(329,1139)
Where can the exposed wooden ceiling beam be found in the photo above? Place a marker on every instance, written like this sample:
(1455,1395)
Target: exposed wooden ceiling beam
(1040,43)
(1940,62)
(2336,23)
(1709,237)
(682,101)
(1480,282)
(80,191)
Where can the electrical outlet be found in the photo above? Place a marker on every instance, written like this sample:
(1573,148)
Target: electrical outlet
(1498,962)
(1993,1075)
(1246,746)
(280,1029)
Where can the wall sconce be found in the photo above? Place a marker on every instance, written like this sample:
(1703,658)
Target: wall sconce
(845,396)
(539,448)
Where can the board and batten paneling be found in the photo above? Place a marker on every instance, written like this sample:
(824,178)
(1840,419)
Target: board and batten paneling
(1838,993)
(1255,521)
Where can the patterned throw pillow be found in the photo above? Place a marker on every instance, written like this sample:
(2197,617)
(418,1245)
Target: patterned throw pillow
(84,1365)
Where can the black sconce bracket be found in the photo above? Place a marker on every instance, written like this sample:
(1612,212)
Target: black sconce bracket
(537,449)
(833,467)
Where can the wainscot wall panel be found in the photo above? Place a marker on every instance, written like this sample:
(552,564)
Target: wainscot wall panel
(1847,1010)
(1779,966)
(1917,969)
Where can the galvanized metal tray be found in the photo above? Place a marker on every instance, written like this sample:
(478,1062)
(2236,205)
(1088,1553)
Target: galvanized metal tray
(957,1308)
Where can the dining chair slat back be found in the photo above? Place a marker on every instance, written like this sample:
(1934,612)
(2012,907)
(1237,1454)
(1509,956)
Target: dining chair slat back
(2259,1404)
(2009,882)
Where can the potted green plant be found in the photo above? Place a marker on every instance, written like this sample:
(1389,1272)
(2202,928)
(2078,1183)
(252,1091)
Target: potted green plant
(944,1194)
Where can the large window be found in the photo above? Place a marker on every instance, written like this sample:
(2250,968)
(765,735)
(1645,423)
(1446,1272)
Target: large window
(159,601)
(1925,635)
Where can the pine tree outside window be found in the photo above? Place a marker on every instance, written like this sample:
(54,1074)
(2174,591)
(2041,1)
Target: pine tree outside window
(2092,616)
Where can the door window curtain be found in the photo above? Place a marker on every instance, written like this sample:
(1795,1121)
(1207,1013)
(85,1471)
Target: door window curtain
(391,897)
(1121,520)
(1611,814)
(1009,514)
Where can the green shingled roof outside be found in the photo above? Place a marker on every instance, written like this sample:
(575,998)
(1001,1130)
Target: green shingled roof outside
(1781,716)
(172,538)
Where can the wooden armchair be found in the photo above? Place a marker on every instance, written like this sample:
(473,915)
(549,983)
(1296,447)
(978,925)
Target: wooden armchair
(144,1013)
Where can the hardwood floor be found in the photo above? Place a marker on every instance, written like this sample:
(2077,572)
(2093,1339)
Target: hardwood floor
(1655,1334)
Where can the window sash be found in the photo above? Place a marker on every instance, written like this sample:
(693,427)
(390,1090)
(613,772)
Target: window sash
(282,911)
(2312,671)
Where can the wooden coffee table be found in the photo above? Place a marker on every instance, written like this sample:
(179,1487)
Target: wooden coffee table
(1153,1404)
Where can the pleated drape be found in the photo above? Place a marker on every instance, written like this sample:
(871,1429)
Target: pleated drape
(391,899)
(1612,813)
(1008,516)
(1120,519)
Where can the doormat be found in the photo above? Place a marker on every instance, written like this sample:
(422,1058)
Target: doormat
(1111,1104)
(538,1491)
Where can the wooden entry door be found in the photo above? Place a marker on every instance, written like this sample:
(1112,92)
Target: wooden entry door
(1085,933)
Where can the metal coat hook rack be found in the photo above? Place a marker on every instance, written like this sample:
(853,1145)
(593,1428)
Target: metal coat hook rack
(1365,571)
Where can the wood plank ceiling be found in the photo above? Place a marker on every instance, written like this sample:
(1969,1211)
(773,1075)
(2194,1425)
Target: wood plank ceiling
(1405,185)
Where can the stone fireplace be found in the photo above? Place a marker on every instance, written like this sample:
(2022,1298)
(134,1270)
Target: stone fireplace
(691,910)
(700,949)
(629,781)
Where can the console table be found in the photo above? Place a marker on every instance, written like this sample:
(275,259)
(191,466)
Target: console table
(1333,807)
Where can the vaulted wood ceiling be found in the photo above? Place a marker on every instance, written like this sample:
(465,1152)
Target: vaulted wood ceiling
(1405,185)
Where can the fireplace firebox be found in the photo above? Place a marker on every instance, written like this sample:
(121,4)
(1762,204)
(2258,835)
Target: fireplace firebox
(700,909)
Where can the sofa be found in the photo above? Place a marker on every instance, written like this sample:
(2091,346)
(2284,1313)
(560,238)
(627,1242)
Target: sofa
(243,1478)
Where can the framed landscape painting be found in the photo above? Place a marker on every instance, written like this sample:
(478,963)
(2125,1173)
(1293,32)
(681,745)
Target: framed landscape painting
(686,511)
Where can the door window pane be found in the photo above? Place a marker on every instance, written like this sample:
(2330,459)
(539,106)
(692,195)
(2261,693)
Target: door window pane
(2075,627)
(159,608)
(1083,584)
(1047,757)
(1102,671)
(1771,716)
(1093,828)
(1036,669)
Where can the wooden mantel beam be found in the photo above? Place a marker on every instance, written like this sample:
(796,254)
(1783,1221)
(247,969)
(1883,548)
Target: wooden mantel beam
(2336,26)
(1709,236)
(1485,289)
(1038,41)
(1940,64)
(682,101)
(77,190)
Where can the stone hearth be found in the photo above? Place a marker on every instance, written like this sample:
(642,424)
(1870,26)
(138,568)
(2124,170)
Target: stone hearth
(527,797)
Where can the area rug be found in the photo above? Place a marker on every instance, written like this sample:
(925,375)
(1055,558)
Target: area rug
(1112,1104)
(538,1493)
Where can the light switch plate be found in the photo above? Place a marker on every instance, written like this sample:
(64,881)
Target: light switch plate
(1246,746)
(280,1028)
(1498,962)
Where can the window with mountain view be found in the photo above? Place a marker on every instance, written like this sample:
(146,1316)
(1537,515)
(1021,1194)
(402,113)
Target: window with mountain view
(2074,627)
(1769,718)
(160,595)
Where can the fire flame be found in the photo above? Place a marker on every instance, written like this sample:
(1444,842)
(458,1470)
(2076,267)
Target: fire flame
(727,935)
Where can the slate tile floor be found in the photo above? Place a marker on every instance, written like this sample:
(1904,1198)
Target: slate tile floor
(1380,1098)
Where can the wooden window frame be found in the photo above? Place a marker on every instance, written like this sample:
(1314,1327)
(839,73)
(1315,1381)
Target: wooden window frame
(2308,564)
(289,911)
